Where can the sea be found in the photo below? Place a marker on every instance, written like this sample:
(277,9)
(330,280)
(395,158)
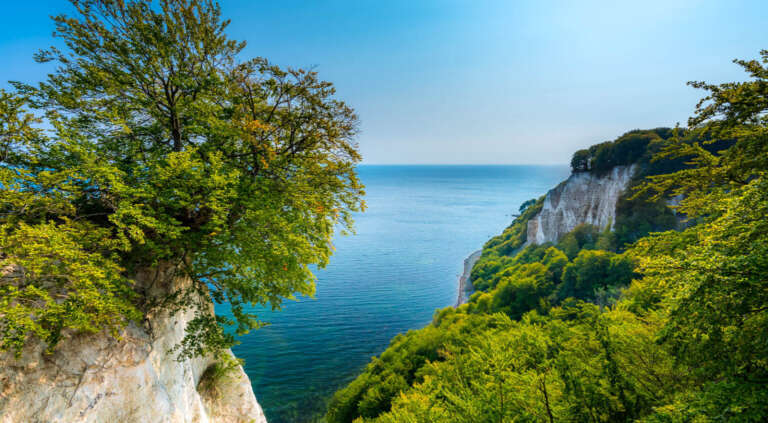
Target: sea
(402,264)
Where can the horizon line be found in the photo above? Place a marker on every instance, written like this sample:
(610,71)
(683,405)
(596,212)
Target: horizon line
(463,164)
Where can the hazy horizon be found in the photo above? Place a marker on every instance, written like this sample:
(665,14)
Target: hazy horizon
(460,82)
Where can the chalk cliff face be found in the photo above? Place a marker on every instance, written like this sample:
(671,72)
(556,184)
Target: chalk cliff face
(582,198)
(96,378)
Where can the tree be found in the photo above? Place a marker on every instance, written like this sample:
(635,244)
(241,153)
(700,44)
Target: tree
(577,364)
(580,161)
(167,151)
(711,277)
(589,270)
(527,204)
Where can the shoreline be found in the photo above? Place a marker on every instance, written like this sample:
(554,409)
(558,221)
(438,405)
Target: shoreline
(465,286)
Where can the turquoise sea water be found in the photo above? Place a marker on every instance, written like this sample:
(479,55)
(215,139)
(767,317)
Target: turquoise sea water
(403,263)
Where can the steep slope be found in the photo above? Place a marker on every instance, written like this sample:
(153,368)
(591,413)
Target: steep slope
(584,198)
(96,378)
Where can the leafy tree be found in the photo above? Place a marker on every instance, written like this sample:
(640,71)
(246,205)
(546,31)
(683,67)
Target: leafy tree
(522,291)
(555,260)
(165,151)
(579,364)
(588,271)
(514,236)
(570,245)
(583,236)
(592,270)
(580,161)
(527,204)
(711,277)
(402,365)
(636,217)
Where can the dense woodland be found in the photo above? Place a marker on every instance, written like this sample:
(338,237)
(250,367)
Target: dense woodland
(664,319)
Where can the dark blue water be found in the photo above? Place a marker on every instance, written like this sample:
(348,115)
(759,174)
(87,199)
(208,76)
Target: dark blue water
(403,263)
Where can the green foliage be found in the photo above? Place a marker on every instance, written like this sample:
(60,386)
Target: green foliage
(371,393)
(530,281)
(216,375)
(578,365)
(637,146)
(527,204)
(711,277)
(638,216)
(513,236)
(519,292)
(167,150)
(582,237)
(59,277)
(711,280)
(499,248)
(594,270)
(541,276)
(686,341)
(638,212)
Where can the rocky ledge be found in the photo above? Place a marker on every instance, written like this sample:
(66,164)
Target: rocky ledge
(585,197)
(136,378)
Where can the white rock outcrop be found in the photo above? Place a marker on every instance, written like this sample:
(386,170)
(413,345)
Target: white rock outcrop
(100,379)
(583,198)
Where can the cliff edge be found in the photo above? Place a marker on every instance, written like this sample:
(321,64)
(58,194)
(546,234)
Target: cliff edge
(97,378)
(584,198)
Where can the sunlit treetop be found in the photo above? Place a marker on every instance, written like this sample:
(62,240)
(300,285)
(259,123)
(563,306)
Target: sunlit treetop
(163,146)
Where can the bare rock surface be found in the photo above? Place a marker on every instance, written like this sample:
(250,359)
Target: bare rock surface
(97,378)
(465,284)
(583,198)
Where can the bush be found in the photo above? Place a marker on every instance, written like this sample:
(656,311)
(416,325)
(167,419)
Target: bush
(633,147)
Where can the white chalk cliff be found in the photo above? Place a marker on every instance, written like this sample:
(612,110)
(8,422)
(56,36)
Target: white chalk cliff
(100,379)
(583,198)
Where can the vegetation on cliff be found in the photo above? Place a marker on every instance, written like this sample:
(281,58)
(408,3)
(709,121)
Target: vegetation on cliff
(153,143)
(670,328)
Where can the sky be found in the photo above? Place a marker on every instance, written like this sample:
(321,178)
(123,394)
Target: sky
(477,81)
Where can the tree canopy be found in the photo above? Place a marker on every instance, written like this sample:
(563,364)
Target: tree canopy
(153,143)
(633,147)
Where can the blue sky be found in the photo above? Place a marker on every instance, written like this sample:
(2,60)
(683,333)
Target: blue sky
(475,81)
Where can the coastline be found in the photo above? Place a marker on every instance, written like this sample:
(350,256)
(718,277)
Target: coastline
(465,285)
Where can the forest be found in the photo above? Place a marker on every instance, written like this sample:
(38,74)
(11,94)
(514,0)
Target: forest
(663,319)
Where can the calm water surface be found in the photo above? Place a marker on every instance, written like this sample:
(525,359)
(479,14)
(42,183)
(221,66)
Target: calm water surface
(403,263)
